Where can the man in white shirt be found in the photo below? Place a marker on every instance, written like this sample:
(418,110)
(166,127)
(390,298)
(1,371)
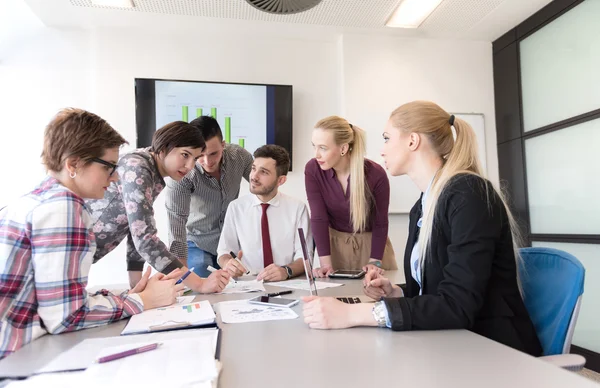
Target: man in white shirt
(263,226)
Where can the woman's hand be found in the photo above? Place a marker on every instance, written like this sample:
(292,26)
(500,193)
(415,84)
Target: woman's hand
(330,313)
(323,271)
(376,286)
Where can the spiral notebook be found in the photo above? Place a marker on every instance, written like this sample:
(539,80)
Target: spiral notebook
(186,316)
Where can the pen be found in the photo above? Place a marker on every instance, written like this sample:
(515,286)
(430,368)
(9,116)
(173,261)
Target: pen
(128,353)
(185,275)
(213,269)
(279,293)
(238,260)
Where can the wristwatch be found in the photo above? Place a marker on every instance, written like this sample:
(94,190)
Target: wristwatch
(288,270)
(379,311)
(376,263)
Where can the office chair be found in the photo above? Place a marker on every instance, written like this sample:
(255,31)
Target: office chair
(552,287)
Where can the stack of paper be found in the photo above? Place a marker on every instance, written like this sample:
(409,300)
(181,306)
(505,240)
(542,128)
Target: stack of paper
(175,363)
(195,349)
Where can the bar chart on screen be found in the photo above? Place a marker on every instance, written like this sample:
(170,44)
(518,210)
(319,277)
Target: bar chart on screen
(240,110)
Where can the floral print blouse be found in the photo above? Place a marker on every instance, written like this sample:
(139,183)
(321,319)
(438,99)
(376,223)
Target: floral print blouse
(126,211)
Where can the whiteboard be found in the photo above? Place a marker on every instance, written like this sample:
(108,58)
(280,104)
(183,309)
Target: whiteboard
(404,193)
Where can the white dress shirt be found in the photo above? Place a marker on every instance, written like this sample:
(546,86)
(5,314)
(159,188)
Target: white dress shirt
(242,231)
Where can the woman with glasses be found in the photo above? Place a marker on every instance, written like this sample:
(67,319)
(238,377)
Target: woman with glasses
(47,245)
(126,209)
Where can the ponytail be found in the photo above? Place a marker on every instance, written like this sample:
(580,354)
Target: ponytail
(360,195)
(456,143)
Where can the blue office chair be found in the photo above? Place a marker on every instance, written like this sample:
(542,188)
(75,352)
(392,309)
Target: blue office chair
(552,287)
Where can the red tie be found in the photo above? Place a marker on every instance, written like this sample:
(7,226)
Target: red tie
(266,237)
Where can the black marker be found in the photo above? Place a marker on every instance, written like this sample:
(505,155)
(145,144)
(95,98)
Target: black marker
(279,293)
(238,260)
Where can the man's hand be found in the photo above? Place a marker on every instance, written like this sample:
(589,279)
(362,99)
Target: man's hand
(216,282)
(273,273)
(234,267)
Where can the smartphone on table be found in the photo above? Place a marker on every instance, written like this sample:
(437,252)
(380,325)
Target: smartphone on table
(347,274)
(274,302)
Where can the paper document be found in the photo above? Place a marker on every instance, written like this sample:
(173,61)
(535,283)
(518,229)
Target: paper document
(185,299)
(240,311)
(62,380)
(83,354)
(175,363)
(244,286)
(302,284)
(171,317)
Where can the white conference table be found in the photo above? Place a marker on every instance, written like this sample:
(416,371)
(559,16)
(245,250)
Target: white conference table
(289,354)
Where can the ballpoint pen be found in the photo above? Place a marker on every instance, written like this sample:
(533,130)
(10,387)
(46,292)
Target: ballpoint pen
(279,293)
(185,275)
(127,353)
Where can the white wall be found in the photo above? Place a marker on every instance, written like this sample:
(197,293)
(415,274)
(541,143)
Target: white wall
(41,71)
(361,76)
(383,72)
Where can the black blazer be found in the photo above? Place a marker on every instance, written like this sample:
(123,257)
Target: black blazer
(470,279)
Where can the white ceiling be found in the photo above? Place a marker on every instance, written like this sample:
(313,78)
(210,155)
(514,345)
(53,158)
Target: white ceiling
(453,19)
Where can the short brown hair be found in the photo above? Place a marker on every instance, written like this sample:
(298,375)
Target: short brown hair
(278,154)
(177,134)
(77,133)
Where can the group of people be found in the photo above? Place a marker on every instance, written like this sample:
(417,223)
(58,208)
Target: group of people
(460,260)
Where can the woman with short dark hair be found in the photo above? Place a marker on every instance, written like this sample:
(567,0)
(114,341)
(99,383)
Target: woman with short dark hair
(126,209)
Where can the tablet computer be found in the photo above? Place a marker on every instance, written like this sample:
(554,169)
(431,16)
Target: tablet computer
(274,302)
(347,274)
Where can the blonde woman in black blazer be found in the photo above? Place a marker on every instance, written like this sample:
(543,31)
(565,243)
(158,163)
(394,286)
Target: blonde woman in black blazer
(460,260)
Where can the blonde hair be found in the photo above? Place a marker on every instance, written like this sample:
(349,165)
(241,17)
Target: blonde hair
(459,156)
(360,195)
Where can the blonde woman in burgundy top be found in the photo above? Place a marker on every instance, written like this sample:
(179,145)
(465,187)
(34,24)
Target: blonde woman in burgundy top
(349,197)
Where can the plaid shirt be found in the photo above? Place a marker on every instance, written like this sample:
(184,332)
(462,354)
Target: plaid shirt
(46,250)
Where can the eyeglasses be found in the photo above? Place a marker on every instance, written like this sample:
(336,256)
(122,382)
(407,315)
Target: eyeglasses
(108,164)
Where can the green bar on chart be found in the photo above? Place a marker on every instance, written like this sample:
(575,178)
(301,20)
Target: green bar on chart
(184,113)
(242,142)
(198,112)
(213,113)
(227,130)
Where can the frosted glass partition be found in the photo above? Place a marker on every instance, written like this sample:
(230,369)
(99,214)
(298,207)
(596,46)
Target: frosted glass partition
(559,67)
(587,330)
(563,180)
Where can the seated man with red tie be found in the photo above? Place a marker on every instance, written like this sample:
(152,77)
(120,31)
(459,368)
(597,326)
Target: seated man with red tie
(262,226)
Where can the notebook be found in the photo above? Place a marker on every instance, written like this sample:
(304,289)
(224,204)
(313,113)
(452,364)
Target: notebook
(176,317)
